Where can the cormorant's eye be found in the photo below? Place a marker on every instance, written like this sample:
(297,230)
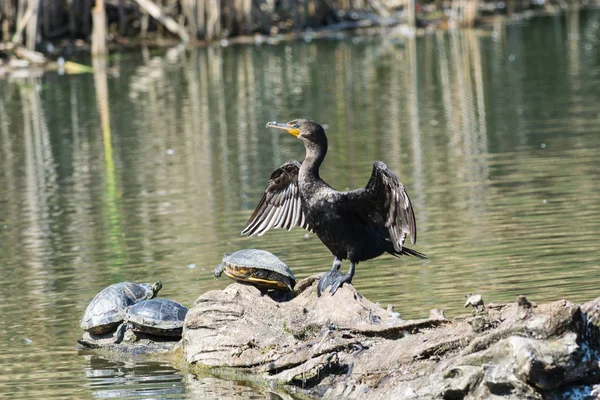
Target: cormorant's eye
(296,126)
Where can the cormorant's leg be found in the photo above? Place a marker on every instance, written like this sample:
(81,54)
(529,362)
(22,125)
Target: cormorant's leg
(329,277)
(342,278)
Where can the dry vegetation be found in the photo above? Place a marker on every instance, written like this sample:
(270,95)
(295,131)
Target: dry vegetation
(32,22)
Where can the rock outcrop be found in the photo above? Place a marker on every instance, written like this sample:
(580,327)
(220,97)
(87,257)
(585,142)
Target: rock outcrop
(347,346)
(134,344)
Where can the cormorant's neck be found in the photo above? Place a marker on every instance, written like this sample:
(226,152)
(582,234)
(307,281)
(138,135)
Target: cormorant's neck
(315,154)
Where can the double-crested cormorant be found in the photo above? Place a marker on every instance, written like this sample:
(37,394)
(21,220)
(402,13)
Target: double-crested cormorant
(356,225)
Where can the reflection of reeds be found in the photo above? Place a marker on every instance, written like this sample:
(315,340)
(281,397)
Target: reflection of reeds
(111,193)
(413,114)
(573,42)
(28,198)
(9,178)
(463,173)
(198,136)
(39,160)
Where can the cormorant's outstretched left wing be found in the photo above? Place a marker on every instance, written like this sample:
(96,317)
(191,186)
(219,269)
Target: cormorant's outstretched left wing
(281,206)
(385,205)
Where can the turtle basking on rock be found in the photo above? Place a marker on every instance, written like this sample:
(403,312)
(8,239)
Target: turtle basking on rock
(158,317)
(108,308)
(258,268)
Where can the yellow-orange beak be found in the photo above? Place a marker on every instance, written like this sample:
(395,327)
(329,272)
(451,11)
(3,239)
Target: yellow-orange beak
(291,129)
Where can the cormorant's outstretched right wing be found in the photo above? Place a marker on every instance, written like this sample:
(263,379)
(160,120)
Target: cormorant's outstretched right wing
(281,206)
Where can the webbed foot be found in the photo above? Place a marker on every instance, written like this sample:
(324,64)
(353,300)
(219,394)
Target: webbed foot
(328,278)
(335,279)
(339,281)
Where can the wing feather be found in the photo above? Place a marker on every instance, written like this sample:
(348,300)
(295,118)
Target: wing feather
(281,205)
(386,206)
(264,224)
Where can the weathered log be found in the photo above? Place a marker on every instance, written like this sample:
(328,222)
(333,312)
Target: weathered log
(379,8)
(345,346)
(22,54)
(29,55)
(138,344)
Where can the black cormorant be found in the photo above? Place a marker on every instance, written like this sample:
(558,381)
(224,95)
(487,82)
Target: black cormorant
(356,225)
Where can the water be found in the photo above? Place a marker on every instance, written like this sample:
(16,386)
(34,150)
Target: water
(150,171)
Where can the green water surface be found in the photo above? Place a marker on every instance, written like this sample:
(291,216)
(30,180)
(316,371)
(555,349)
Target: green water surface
(150,171)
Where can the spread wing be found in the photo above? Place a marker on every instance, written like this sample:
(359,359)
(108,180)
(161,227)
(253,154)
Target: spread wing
(385,206)
(280,206)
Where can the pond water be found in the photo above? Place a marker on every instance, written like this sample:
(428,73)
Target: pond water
(150,171)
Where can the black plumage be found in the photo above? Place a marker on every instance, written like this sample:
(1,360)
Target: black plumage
(357,225)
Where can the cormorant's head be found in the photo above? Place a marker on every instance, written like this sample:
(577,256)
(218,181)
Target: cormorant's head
(303,129)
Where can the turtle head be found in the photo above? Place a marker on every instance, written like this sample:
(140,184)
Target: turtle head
(156,286)
(271,280)
(290,283)
(219,270)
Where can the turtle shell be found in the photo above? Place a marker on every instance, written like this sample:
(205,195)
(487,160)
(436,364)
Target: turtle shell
(107,309)
(157,316)
(259,268)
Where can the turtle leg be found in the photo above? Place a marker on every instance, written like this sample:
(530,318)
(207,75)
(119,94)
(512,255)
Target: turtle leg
(340,279)
(120,332)
(329,277)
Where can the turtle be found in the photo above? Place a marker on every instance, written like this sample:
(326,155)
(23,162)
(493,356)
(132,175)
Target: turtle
(160,317)
(107,309)
(258,268)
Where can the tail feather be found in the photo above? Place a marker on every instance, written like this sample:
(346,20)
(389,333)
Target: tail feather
(409,252)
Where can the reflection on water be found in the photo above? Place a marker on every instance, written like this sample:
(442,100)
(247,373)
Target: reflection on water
(149,169)
(118,376)
(206,387)
(132,380)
